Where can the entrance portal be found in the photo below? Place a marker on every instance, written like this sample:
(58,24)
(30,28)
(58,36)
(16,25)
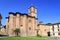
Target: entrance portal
(48,33)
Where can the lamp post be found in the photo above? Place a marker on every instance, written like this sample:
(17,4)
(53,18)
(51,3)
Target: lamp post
(0,22)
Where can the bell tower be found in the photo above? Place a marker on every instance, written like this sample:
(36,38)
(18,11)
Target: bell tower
(32,11)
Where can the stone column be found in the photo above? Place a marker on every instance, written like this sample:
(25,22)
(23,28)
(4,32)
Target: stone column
(11,25)
(17,20)
(24,26)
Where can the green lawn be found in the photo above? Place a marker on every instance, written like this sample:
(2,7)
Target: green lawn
(26,38)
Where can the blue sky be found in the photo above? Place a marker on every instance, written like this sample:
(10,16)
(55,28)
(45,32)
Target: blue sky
(48,11)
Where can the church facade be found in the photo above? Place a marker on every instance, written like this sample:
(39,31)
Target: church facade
(27,23)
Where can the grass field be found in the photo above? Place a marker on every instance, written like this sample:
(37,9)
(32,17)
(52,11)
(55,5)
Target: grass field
(26,38)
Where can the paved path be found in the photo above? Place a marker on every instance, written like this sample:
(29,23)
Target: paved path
(57,38)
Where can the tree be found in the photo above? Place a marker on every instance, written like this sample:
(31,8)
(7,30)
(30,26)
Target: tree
(17,30)
(40,22)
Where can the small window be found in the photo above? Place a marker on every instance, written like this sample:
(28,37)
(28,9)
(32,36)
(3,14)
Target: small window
(58,26)
(58,29)
(21,25)
(29,28)
(59,33)
(53,28)
(29,20)
(45,30)
(53,33)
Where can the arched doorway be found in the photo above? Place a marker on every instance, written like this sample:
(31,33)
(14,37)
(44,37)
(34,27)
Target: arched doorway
(48,33)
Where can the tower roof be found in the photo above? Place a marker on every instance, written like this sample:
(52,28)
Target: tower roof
(31,6)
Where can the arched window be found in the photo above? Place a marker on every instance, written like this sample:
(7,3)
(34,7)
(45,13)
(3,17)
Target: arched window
(29,28)
(29,20)
(21,25)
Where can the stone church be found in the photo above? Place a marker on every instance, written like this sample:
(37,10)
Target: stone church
(27,23)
